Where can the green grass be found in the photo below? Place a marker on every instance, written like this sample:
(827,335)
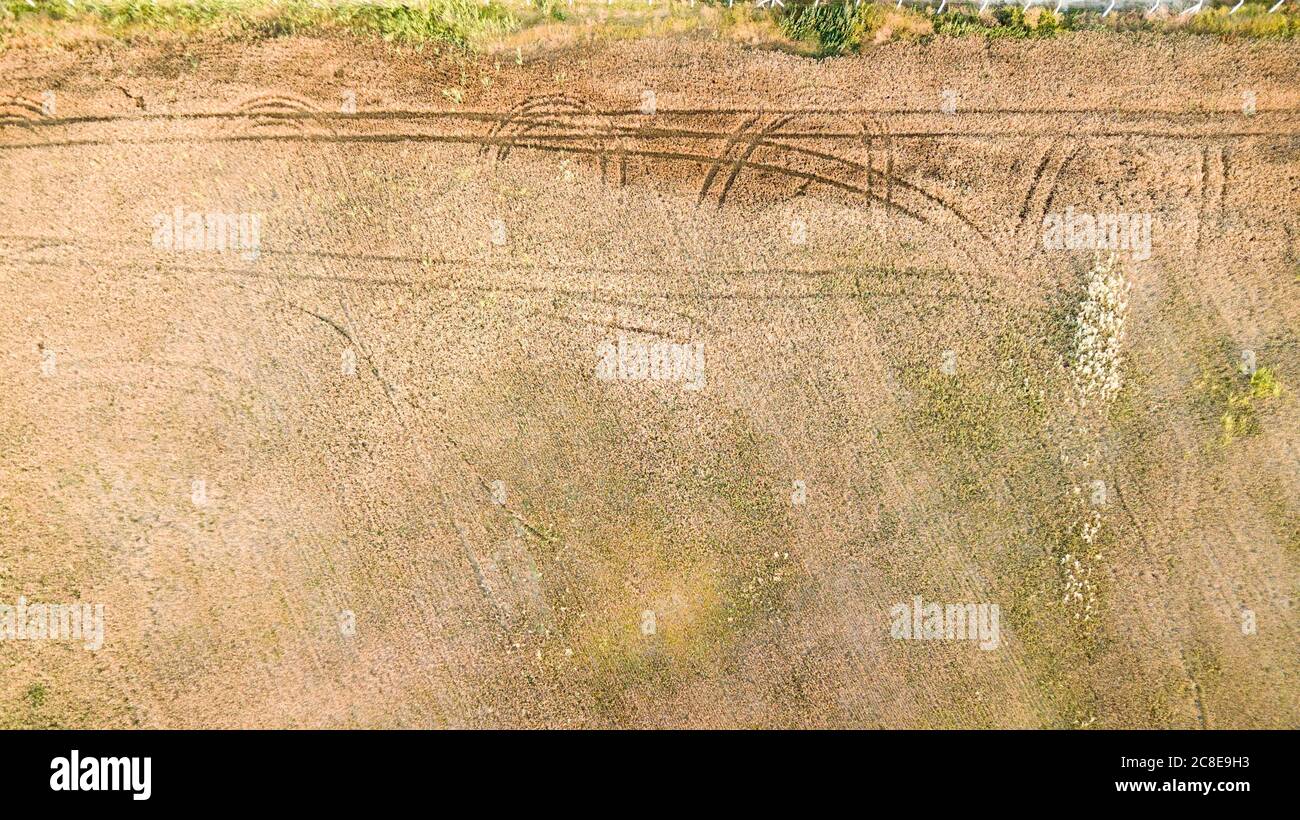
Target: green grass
(1236,400)
(36,694)
(832,29)
(459,23)
(1007,21)
(956,410)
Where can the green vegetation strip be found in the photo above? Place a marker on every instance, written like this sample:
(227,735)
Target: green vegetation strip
(459,23)
(820,29)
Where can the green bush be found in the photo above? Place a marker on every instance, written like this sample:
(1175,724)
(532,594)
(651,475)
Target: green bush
(835,28)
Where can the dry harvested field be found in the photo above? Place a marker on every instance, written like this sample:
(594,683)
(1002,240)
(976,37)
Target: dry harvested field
(650,383)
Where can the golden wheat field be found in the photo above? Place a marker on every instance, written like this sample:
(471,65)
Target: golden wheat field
(668,380)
